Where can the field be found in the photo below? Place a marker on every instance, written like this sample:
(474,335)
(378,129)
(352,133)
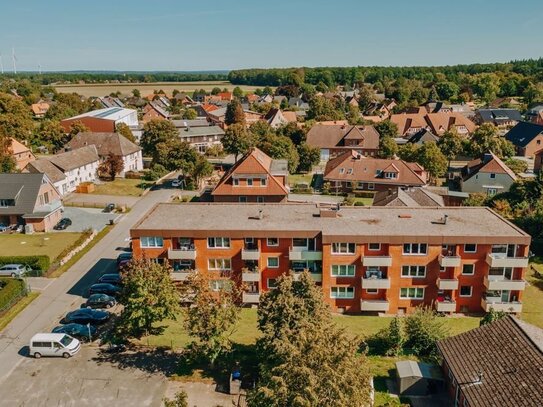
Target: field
(50,244)
(103,89)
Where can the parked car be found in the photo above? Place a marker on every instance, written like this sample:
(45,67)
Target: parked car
(52,344)
(176,183)
(124,257)
(100,301)
(109,207)
(3,227)
(63,224)
(122,264)
(104,288)
(113,278)
(78,331)
(86,316)
(13,270)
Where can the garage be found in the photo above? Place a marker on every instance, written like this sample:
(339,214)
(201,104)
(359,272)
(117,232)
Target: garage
(418,379)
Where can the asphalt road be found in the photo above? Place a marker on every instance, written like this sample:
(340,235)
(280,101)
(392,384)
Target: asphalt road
(63,295)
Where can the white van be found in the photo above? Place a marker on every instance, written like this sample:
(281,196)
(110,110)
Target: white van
(53,345)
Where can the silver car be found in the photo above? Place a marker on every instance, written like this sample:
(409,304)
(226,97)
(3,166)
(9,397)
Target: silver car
(13,270)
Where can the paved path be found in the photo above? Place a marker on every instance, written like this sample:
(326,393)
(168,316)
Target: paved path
(64,293)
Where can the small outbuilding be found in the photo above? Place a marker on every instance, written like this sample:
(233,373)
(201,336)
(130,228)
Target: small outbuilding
(418,379)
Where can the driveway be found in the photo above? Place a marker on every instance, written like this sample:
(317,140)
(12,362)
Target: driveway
(85,218)
(100,201)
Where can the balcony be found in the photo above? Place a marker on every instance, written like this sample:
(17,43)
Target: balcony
(250,298)
(498,283)
(315,275)
(447,284)
(181,275)
(375,283)
(499,260)
(250,254)
(449,261)
(377,261)
(182,254)
(445,306)
(374,305)
(496,304)
(250,276)
(301,253)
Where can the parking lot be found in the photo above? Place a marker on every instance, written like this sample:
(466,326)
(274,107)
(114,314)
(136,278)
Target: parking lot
(85,218)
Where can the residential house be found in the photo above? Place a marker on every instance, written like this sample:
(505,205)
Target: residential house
(505,102)
(382,109)
(203,109)
(108,101)
(111,143)
(277,118)
(228,96)
(535,115)
(498,364)
(411,197)
(103,120)
(298,103)
(364,259)
(183,99)
(501,118)
(254,178)
(252,98)
(69,169)
(438,123)
(201,137)
(527,138)
(217,117)
(40,109)
(153,111)
(538,161)
(29,199)
(488,175)
(423,136)
(20,153)
(352,171)
(267,98)
(436,107)
(335,139)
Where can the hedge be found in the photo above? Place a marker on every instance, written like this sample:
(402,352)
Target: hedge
(38,263)
(10,292)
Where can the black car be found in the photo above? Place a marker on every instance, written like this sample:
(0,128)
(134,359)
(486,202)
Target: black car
(100,301)
(104,288)
(109,208)
(113,278)
(76,330)
(86,316)
(63,224)
(123,257)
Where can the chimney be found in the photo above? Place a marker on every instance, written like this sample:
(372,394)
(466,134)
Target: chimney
(480,377)
(260,214)
(445,217)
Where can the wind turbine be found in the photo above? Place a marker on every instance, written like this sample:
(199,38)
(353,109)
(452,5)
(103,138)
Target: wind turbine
(1,65)
(14,61)
(39,67)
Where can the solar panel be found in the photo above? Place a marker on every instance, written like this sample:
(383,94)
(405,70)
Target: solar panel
(109,112)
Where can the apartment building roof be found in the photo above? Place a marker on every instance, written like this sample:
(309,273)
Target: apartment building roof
(498,363)
(349,224)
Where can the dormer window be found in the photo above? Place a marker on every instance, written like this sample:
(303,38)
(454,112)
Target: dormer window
(350,171)
(342,170)
(250,182)
(4,203)
(390,175)
(263,182)
(236,181)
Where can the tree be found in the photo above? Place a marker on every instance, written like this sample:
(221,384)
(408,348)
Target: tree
(52,133)
(237,92)
(149,297)
(215,91)
(190,114)
(447,90)
(211,319)
(408,152)
(155,132)
(492,316)
(111,166)
(234,113)
(476,199)
(261,129)
(7,162)
(423,329)
(309,156)
(76,128)
(280,147)
(322,109)
(180,400)
(202,168)
(516,165)
(124,130)
(388,148)
(293,132)
(305,360)
(486,139)
(450,144)
(387,128)
(136,93)
(176,154)
(237,140)
(15,118)
(432,159)
(354,115)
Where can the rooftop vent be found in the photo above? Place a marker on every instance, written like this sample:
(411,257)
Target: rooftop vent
(328,213)
(442,221)
(405,216)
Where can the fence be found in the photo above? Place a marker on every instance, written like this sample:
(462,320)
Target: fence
(23,292)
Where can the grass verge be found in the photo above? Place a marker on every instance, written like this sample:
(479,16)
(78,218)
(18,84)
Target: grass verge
(48,244)
(16,309)
(122,187)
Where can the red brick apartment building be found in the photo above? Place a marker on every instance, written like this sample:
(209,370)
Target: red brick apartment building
(366,259)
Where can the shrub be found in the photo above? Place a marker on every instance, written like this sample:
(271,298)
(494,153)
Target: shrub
(12,289)
(39,263)
(156,172)
(359,203)
(423,329)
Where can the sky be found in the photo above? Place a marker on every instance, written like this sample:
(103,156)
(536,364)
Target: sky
(191,35)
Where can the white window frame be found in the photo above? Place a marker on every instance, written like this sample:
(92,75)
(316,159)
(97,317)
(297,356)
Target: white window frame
(223,264)
(272,245)
(464,295)
(374,250)
(263,182)
(472,268)
(372,291)
(268,262)
(235,182)
(334,248)
(419,247)
(348,292)
(157,242)
(417,269)
(222,241)
(347,270)
(249,182)
(415,296)
(469,251)
(242,199)
(371,186)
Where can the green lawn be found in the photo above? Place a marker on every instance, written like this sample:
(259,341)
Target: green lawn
(294,179)
(532,302)
(365,201)
(122,187)
(50,244)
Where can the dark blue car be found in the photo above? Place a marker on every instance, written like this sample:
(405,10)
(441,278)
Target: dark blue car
(78,331)
(86,316)
(105,288)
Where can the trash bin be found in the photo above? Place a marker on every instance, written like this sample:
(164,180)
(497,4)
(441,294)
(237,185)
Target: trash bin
(112,221)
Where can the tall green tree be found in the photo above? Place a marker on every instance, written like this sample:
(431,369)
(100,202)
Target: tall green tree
(237,92)
(15,118)
(388,148)
(432,159)
(280,147)
(234,113)
(322,109)
(387,128)
(155,132)
(52,134)
(237,140)
(175,154)
(124,130)
(309,156)
(487,139)
(111,166)
(7,162)
(423,329)
(450,144)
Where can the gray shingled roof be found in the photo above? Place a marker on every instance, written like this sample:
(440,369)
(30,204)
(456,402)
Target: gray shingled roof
(106,143)
(201,131)
(75,158)
(23,188)
(45,166)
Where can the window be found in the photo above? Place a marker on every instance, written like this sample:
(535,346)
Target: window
(218,242)
(378,172)
(442,269)
(491,191)
(273,262)
(342,292)
(272,283)
(415,248)
(350,171)
(470,248)
(151,241)
(236,181)
(218,285)
(242,199)
(415,293)
(263,182)
(414,271)
(299,242)
(374,246)
(249,182)
(468,269)
(492,176)
(343,248)
(260,199)
(390,175)
(360,185)
(465,290)
(372,290)
(371,185)
(342,270)
(218,264)
(272,242)
(342,170)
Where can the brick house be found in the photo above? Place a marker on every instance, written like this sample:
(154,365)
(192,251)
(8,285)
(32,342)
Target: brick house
(527,138)
(21,154)
(438,123)
(365,259)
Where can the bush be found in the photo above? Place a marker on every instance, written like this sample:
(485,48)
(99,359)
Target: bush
(37,263)
(157,171)
(12,289)
(133,175)
(359,203)
(423,329)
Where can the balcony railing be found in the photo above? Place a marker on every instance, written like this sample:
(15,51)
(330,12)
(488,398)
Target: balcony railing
(182,254)
(315,275)
(250,276)
(445,306)
(250,254)
(374,305)
(375,283)
(377,261)
(181,275)
(302,253)
(497,305)
(449,261)
(447,284)
(499,260)
(250,298)
(501,283)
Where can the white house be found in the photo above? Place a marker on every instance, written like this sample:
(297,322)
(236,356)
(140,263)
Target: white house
(67,170)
